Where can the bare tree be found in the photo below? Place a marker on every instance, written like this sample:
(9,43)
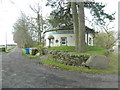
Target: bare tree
(21,35)
(38,11)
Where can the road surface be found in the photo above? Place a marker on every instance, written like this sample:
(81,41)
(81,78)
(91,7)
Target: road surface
(19,71)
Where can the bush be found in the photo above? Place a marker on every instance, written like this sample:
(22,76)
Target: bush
(105,40)
(40,46)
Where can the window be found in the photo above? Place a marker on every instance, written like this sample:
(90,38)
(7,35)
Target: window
(63,40)
(56,41)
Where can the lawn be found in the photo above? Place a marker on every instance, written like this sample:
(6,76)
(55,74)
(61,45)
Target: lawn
(113,66)
(62,48)
(91,50)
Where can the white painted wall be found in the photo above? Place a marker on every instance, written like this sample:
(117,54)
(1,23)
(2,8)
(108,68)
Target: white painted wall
(89,36)
(70,39)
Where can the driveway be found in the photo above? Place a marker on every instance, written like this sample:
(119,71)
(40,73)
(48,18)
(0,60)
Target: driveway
(19,71)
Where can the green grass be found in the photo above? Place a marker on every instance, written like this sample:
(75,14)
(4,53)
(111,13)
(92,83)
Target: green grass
(91,50)
(119,48)
(2,52)
(113,66)
(28,55)
(8,50)
(63,48)
(33,56)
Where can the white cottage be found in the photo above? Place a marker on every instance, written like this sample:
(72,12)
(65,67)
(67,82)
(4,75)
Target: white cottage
(65,37)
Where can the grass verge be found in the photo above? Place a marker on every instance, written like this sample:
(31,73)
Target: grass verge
(2,52)
(113,66)
(8,50)
(28,55)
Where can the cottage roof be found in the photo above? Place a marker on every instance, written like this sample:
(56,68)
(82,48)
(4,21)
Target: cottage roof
(87,29)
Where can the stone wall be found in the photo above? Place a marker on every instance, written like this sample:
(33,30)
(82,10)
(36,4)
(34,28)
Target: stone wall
(68,58)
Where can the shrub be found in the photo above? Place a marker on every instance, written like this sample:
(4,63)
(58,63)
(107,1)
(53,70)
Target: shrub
(105,40)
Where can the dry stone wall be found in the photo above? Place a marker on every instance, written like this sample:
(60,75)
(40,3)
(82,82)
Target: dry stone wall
(67,58)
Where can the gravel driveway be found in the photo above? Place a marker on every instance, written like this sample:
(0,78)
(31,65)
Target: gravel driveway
(19,71)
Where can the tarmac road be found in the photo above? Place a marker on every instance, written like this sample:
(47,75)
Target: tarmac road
(19,71)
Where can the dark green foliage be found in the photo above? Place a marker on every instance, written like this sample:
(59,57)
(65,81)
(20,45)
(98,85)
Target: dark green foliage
(61,13)
(97,11)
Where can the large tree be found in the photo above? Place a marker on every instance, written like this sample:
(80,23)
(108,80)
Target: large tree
(21,35)
(79,25)
(33,25)
(39,20)
(63,15)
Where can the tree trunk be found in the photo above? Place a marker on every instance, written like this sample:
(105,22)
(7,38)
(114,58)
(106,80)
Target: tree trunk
(75,24)
(39,31)
(81,47)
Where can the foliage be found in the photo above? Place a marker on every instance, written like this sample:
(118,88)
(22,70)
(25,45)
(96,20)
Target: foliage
(105,40)
(39,21)
(40,46)
(21,35)
(62,14)
(98,13)
(63,17)
(113,66)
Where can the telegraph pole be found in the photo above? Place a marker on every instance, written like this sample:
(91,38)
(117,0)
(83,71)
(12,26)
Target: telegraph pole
(6,41)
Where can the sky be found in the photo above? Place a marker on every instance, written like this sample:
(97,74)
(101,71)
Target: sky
(10,11)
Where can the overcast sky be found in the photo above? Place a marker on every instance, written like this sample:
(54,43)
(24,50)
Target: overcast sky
(10,11)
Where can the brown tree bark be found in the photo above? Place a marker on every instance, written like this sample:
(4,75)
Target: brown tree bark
(81,27)
(75,24)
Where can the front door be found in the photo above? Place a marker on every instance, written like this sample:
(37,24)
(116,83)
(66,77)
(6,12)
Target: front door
(63,41)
